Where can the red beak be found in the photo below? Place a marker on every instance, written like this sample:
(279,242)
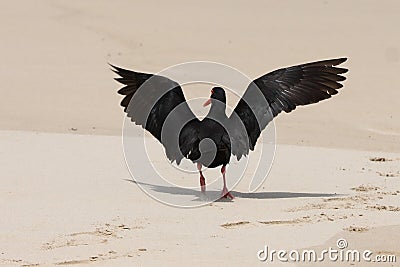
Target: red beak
(208,102)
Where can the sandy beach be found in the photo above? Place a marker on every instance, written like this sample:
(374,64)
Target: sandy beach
(67,197)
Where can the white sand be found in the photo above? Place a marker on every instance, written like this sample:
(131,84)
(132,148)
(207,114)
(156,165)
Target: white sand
(65,195)
(67,198)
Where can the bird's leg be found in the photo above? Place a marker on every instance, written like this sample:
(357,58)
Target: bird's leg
(202,179)
(225,193)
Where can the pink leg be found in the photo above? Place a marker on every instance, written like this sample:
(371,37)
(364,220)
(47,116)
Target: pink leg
(225,193)
(202,179)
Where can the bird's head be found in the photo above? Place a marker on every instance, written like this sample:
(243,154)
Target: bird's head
(218,94)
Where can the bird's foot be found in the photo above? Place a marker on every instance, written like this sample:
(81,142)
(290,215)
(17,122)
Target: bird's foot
(226,194)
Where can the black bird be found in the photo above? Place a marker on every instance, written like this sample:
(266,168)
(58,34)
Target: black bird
(157,104)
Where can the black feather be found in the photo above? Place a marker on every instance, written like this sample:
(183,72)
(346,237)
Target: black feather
(283,90)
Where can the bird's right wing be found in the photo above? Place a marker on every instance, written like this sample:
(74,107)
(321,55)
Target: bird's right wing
(281,90)
(158,105)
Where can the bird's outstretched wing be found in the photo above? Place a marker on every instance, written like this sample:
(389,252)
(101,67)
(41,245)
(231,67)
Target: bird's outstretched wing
(282,90)
(158,104)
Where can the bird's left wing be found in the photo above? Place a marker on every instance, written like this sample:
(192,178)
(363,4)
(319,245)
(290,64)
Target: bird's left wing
(281,90)
(158,105)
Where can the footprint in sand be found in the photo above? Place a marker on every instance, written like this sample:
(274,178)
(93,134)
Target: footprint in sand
(110,255)
(234,224)
(101,234)
(357,229)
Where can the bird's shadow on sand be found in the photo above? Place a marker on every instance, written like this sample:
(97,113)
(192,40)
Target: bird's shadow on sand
(256,195)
